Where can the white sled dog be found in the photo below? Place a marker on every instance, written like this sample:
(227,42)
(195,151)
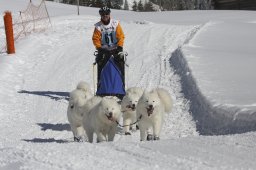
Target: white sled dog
(128,107)
(151,108)
(77,98)
(101,116)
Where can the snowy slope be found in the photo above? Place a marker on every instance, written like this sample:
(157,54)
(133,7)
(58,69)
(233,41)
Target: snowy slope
(35,83)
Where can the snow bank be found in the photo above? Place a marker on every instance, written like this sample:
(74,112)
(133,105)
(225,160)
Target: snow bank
(211,119)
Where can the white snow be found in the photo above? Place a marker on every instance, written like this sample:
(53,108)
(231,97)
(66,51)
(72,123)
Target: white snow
(205,59)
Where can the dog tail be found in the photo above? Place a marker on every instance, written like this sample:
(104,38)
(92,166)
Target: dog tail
(166,98)
(84,86)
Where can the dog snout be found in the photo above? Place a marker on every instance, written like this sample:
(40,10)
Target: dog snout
(72,106)
(133,107)
(150,106)
(110,114)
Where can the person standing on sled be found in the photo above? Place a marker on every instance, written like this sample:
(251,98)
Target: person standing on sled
(108,39)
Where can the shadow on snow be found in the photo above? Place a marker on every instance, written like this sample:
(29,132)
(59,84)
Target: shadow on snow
(55,127)
(48,126)
(51,94)
(50,140)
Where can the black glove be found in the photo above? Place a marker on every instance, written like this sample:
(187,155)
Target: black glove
(119,49)
(98,58)
(102,51)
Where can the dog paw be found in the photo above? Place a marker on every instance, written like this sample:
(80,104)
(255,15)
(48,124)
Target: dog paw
(98,141)
(78,139)
(156,138)
(127,133)
(150,137)
(133,130)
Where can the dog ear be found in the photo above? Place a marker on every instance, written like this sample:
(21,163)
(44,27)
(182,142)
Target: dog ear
(142,98)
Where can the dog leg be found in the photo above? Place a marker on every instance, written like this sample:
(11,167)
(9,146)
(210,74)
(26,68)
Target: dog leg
(77,138)
(134,126)
(156,138)
(112,134)
(126,123)
(73,129)
(89,135)
(100,137)
(143,133)
(81,133)
(150,137)
(157,126)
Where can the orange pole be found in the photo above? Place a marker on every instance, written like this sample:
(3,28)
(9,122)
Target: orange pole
(9,32)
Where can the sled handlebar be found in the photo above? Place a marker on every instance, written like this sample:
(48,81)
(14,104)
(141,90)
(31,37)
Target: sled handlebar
(124,53)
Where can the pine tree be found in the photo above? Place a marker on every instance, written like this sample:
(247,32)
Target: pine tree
(116,4)
(135,6)
(126,6)
(121,2)
(98,3)
(140,6)
(87,2)
(148,6)
(108,3)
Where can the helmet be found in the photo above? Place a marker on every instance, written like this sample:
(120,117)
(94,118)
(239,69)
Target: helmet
(104,10)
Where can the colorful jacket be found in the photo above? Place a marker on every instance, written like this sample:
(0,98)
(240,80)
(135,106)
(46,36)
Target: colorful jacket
(108,36)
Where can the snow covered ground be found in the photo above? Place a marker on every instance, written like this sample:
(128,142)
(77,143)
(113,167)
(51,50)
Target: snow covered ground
(204,59)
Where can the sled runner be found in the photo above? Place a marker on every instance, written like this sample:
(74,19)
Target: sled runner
(111,74)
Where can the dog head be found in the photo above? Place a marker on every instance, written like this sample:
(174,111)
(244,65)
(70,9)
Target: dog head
(109,109)
(131,98)
(130,101)
(76,102)
(148,102)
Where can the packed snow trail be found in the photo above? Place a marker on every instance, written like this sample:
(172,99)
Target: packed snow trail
(149,67)
(48,66)
(35,83)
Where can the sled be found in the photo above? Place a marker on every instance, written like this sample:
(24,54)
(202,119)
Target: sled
(110,77)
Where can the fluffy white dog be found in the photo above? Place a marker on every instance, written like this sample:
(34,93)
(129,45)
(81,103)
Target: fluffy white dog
(77,98)
(101,116)
(128,107)
(150,110)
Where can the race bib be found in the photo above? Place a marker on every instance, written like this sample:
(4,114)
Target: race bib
(109,38)
(108,34)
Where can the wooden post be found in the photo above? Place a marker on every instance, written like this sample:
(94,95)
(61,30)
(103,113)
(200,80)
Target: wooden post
(9,32)
(78,7)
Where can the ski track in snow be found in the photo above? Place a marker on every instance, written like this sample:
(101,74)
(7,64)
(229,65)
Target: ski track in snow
(155,65)
(43,83)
